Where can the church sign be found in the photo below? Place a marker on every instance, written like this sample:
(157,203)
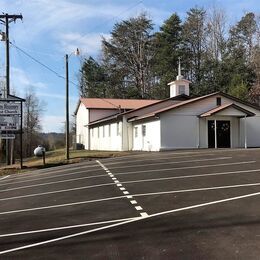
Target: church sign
(8,123)
(10,108)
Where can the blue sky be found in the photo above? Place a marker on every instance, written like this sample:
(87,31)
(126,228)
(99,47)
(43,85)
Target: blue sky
(53,28)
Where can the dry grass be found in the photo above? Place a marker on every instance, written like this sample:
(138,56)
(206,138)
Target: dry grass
(56,158)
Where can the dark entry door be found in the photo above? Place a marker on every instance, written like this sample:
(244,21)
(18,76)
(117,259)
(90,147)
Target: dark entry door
(223,134)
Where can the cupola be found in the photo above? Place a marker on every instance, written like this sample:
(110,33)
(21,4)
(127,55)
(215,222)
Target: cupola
(180,85)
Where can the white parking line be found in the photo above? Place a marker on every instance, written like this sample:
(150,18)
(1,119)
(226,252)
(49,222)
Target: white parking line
(159,159)
(4,177)
(35,173)
(52,177)
(130,221)
(162,154)
(132,195)
(138,208)
(169,162)
(104,175)
(65,227)
(129,182)
(186,167)
(54,182)
(192,176)
(57,191)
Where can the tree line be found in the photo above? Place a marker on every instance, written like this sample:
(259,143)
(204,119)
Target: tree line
(138,62)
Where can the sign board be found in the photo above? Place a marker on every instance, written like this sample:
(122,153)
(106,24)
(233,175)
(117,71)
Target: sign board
(10,108)
(7,136)
(9,123)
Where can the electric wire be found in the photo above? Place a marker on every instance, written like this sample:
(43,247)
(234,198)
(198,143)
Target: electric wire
(41,63)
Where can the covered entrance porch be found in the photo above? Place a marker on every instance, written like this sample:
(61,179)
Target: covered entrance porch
(223,126)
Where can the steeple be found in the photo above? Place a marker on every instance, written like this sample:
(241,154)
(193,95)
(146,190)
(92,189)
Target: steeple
(180,85)
(179,76)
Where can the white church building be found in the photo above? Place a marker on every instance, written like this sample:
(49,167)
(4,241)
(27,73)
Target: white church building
(216,120)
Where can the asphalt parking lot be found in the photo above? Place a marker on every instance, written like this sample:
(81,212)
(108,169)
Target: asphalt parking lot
(192,204)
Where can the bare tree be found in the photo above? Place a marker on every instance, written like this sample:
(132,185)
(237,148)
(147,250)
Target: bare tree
(216,31)
(33,109)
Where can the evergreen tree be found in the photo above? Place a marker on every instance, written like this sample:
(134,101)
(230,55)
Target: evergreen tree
(240,51)
(92,79)
(128,54)
(194,36)
(168,43)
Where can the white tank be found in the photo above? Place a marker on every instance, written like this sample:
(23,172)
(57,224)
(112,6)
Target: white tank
(39,151)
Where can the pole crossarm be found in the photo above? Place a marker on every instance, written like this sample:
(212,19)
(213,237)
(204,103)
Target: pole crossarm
(10,17)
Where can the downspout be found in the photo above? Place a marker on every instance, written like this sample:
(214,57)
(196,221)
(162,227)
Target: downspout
(215,124)
(198,145)
(245,131)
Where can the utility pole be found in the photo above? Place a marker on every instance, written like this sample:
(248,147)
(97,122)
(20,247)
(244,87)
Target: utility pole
(67,131)
(6,19)
(67,106)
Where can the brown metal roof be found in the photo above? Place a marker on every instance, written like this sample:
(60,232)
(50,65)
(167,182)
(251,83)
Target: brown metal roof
(112,103)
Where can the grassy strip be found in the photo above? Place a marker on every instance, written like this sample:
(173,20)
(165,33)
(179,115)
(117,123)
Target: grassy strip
(56,158)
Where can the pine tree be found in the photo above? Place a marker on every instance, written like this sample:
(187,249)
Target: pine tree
(168,43)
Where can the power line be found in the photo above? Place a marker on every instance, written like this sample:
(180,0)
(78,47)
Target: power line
(41,63)
(53,71)
(100,25)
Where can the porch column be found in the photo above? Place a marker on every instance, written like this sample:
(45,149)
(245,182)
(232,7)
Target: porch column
(245,131)
(215,125)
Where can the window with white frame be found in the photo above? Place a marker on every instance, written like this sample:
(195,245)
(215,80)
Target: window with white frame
(117,128)
(98,132)
(136,131)
(144,130)
(103,130)
(109,130)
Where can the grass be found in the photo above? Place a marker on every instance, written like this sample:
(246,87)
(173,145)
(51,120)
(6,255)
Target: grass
(56,158)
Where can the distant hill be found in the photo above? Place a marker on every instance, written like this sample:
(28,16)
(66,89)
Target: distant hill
(52,141)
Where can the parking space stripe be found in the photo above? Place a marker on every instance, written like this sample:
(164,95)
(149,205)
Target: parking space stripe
(125,192)
(131,196)
(161,158)
(65,227)
(54,182)
(129,221)
(103,175)
(4,177)
(169,162)
(57,191)
(186,167)
(192,176)
(35,173)
(52,177)
(129,182)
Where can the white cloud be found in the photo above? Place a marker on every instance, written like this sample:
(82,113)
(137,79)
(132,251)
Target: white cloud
(52,123)
(22,80)
(56,96)
(88,43)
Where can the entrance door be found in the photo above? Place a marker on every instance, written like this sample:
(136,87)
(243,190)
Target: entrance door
(223,134)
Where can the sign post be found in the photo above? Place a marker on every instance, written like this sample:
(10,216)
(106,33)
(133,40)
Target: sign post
(11,121)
